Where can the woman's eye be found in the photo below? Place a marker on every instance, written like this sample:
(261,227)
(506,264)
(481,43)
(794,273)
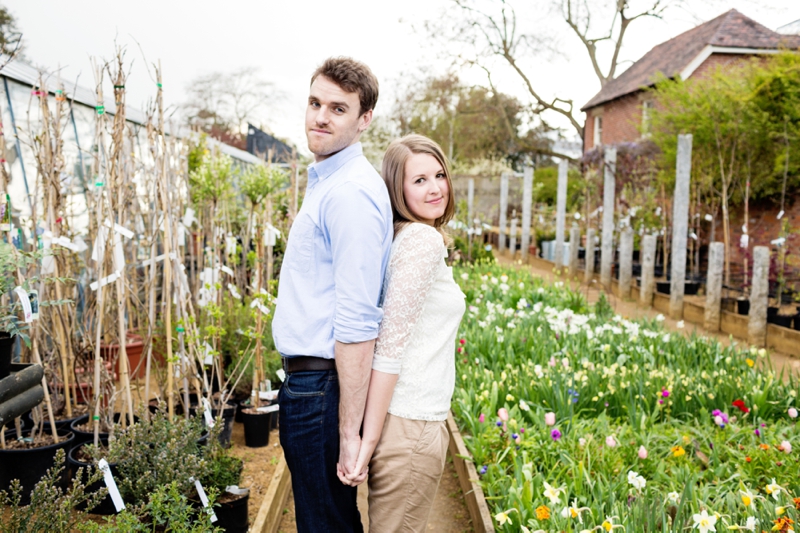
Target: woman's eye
(439,175)
(420,180)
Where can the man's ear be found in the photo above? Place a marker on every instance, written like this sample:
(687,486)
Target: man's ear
(364,121)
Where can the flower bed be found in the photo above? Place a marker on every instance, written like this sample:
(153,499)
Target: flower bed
(581,420)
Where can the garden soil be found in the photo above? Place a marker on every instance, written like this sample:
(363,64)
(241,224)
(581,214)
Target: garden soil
(449,513)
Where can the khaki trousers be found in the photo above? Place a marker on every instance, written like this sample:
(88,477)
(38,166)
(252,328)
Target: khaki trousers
(404,474)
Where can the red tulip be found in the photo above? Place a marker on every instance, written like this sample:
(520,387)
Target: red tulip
(741,406)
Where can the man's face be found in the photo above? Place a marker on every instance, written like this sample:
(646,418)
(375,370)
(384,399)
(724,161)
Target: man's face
(333,119)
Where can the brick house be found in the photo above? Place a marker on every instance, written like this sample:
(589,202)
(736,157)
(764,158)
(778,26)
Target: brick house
(618,113)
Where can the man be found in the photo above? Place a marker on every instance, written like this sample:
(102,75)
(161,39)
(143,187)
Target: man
(328,313)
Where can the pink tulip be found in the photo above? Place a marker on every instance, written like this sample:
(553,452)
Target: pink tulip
(503,414)
(792,412)
(642,452)
(550,419)
(786,446)
(611,442)
(481,418)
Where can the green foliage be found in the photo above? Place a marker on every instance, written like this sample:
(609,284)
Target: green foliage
(546,187)
(742,119)
(464,253)
(259,181)
(168,509)
(51,508)
(222,469)
(212,180)
(13,260)
(155,452)
(613,386)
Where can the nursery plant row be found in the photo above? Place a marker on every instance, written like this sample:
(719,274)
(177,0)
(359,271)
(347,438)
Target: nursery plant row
(579,419)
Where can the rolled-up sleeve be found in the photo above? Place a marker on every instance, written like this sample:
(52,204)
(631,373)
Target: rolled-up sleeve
(357,230)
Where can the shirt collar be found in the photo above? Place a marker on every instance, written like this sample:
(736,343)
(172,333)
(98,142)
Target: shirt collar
(327,167)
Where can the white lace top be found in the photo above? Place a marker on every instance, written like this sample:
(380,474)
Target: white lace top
(422,309)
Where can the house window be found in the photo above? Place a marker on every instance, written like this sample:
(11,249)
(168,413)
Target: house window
(598,131)
(647,107)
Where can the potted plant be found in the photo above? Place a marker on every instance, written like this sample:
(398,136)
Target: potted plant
(223,473)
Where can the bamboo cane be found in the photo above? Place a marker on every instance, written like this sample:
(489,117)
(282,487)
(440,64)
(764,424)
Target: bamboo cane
(166,296)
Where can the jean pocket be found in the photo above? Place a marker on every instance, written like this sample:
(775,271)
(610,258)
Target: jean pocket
(300,251)
(306,384)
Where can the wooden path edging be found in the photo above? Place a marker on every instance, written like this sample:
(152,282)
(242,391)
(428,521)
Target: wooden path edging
(467,478)
(271,510)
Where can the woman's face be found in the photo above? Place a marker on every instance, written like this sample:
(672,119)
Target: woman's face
(425,187)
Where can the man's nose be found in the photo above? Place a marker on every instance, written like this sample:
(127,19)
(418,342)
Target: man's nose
(322,117)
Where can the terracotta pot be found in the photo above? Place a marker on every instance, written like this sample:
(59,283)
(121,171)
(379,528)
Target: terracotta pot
(134,349)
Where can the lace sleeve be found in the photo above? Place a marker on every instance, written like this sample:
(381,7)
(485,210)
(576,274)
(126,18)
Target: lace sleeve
(412,270)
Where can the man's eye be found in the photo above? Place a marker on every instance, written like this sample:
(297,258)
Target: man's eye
(339,110)
(314,104)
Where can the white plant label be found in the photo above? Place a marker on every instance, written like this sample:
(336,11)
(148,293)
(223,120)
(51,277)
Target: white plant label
(122,230)
(80,244)
(66,243)
(780,215)
(119,255)
(99,245)
(105,281)
(181,235)
(113,491)
(227,270)
(188,217)
(234,489)
(209,357)
(207,414)
(709,218)
(268,395)
(203,497)
(234,291)
(271,234)
(33,298)
(268,408)
(230,245)
(744,241)
(26,303)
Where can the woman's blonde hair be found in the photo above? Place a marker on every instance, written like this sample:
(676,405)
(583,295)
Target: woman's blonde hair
(393,172)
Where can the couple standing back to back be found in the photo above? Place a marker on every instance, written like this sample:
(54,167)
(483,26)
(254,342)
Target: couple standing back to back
(366,319)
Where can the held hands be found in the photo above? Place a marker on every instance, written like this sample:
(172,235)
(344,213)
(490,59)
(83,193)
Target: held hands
(353,465)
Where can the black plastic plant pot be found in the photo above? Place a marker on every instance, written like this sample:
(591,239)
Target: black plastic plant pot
(772,312)
(782,320)
(106,505)
(81,435)
(232,515)
(256,428)
(691,288)
(6,352)
(743,307)
(796,322)
(663,287)
(228,415)
(30,465)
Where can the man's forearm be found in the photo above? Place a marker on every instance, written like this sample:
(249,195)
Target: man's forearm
(354,365)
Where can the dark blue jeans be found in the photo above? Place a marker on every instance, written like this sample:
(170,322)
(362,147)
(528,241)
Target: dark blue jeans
(309,415)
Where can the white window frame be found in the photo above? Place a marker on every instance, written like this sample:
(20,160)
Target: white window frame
(597,131)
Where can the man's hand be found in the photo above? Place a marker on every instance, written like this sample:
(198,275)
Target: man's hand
(350,469)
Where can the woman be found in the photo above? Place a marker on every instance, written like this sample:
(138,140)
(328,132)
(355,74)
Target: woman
(413,372)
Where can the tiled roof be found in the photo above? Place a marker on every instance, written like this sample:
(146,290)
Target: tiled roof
(731,30)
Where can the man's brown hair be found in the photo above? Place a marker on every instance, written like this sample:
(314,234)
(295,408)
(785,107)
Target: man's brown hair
(352,76)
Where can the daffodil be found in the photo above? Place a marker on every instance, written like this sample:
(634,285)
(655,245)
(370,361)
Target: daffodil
(774,489)
(503,517)
(705,523)
(551,493)
(747,497)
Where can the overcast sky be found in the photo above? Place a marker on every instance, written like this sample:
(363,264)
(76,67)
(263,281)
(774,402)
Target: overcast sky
(288,39)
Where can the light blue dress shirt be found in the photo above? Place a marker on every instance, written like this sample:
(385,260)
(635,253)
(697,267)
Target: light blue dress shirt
(336,257)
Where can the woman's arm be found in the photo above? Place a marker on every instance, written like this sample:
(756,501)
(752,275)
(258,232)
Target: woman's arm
(412,272)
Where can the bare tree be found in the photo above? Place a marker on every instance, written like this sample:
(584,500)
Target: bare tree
(222,103)
(495,32)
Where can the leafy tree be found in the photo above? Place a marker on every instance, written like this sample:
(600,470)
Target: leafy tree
(469,122)
(10,36)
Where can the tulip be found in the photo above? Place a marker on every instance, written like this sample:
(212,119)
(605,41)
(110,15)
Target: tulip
(611,442)
(642,452)
(786,446)
(792,412)
(481,418)
(550,419)
(503,414)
